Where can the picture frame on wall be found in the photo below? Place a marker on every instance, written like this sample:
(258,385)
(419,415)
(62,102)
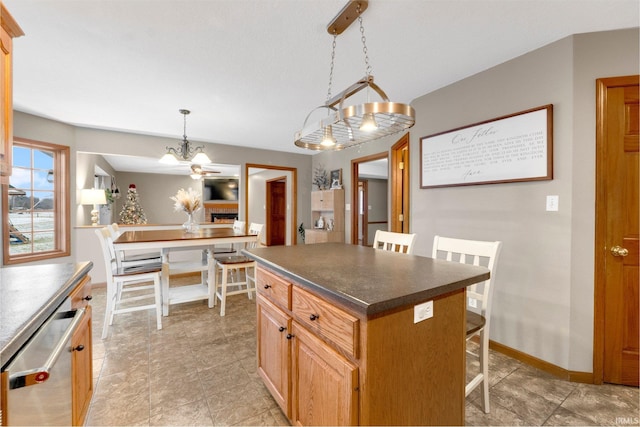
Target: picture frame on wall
(336,179)
(513,148)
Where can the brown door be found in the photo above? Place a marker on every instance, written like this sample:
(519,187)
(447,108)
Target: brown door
(617,231)
(400,185)
(276,212)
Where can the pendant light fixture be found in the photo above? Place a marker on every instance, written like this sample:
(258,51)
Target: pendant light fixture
(350,125)
(185,151)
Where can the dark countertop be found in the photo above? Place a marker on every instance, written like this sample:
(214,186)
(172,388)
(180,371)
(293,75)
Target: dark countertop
(366,280)
(28,296)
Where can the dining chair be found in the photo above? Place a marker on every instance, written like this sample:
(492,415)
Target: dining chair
(479,297)
(123,280)
(396,242)
(236,271)
(125,259)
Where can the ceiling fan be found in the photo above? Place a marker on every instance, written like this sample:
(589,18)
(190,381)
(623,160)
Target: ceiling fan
(199,171)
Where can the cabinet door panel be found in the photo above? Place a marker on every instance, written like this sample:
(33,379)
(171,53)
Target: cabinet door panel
(325,384)
(82,370)
(273,351)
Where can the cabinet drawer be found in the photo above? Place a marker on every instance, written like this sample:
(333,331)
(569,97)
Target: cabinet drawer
(274,288)
(81,295)
(328,321)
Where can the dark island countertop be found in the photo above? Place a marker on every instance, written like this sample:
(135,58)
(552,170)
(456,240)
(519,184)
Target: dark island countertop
(366,280)
(28,296)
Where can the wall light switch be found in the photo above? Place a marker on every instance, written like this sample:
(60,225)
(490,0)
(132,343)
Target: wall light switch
(347,206)
(423,311)
(552,203)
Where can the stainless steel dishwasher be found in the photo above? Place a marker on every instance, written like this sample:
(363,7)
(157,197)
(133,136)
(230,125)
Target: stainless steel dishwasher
(39,376)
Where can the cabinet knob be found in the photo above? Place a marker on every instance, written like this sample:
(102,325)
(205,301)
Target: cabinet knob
(289,336)
(267,286)
(314,317)
(282,329)
(88,298)
(78,348)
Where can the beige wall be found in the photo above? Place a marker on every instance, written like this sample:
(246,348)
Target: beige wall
(39,129)
(154,190)
(543,301)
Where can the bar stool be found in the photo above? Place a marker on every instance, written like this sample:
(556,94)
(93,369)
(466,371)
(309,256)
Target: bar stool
(229,270)
(121,280)
(131,259)
(478,299)
(396,242)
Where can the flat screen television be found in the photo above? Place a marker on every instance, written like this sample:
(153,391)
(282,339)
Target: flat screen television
(221,189)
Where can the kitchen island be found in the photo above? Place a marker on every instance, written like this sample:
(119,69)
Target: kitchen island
(349,335)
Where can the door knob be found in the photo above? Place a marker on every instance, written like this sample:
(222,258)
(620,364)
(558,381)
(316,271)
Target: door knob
(618,251)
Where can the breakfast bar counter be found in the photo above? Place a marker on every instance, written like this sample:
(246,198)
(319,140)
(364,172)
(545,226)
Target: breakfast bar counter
(349,335)
(366,280)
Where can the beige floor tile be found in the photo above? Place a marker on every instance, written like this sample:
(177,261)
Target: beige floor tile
(200,369)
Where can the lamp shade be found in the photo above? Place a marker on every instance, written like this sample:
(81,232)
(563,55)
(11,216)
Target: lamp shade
(93,196)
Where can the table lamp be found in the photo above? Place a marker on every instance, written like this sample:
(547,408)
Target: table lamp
(93,197)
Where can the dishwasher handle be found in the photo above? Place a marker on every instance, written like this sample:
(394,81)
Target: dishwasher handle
(39,375)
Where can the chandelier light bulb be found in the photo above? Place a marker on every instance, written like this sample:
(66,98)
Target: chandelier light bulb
(368,123)
(327,137)
(201,159)
(169,159)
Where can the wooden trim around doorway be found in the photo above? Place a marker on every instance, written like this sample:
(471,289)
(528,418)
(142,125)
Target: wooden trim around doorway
(294,195)
(354,191)
(602,86)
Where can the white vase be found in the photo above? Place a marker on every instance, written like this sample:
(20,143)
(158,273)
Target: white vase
(191,226)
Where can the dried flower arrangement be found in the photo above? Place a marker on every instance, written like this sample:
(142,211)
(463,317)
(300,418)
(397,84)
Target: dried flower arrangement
(188,201)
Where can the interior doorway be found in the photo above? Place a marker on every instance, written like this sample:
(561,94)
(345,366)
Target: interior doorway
(400,179)
(276,211)
(258,206)
(370,197)
(616,349)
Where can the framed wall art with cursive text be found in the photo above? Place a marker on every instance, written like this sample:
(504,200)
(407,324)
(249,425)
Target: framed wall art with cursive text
(513,148)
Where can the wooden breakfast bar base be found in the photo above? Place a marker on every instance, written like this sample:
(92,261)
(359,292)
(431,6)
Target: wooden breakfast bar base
(337,341)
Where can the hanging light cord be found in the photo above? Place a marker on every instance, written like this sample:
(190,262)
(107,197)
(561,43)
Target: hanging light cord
(333,57)
(184,132)
(368,68)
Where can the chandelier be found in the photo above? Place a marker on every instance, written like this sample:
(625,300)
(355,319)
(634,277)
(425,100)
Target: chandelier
(351,125)
(185,152)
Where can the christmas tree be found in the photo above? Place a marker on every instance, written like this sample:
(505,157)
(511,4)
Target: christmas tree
(132,212)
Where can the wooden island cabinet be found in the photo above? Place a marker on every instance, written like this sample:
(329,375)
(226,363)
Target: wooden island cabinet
(337,342)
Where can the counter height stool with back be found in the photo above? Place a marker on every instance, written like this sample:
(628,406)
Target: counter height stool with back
(396,242)
(231,269)
(478,298)
(121,280)
(127,260)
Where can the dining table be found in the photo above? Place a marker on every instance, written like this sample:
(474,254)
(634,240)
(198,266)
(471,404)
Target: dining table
(169,240)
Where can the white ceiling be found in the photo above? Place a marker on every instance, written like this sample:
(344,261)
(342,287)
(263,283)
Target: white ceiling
(251,70)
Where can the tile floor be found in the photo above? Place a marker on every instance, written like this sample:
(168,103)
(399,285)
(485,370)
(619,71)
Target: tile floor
(200,370)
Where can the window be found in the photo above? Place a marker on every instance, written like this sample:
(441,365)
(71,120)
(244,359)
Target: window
(35,203)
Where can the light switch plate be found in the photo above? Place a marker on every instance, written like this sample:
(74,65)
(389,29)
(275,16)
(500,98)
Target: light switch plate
(423,311)
(552,203)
